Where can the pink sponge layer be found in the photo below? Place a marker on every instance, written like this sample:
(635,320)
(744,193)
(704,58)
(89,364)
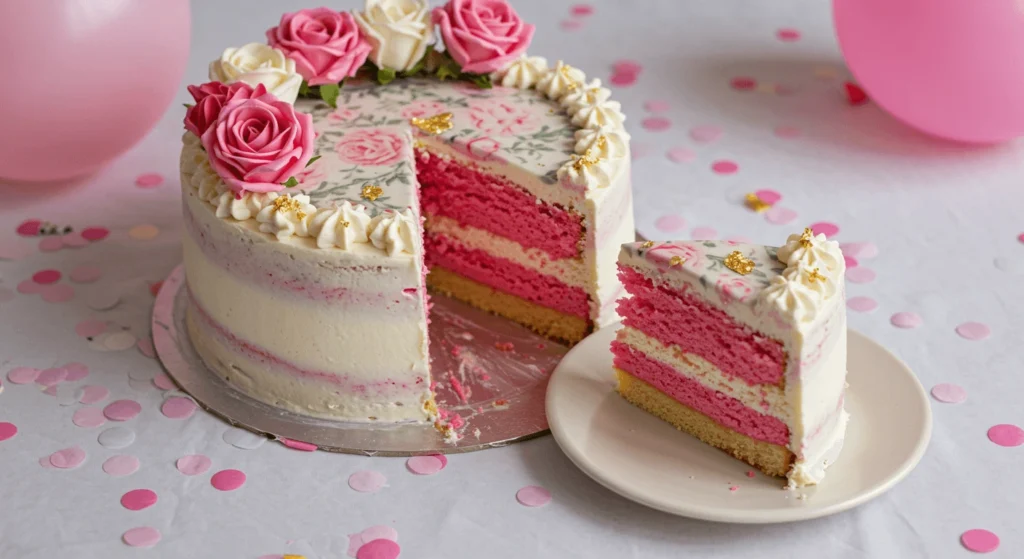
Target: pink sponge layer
(724,410)
(681,318)
(495,204)
(505,275)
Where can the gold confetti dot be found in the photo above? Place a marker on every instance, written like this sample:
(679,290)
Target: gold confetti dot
(144,232)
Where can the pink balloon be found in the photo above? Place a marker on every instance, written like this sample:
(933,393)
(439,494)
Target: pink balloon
(88,81)
(951,68)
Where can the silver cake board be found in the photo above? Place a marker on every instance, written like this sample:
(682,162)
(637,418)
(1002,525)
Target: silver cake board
(490,371)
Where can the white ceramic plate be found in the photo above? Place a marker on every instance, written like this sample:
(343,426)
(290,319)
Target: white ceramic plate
(648,461)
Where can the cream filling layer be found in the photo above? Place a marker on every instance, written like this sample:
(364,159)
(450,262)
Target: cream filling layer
(569,271)
(767,399)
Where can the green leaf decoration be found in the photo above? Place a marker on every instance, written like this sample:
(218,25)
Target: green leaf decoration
(312,160)
(483,81)
(187,105)
(448,70)
(304,89)
(385,76)
(290,182)
(329,93)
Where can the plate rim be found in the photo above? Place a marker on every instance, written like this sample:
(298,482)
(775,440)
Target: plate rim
(736,516)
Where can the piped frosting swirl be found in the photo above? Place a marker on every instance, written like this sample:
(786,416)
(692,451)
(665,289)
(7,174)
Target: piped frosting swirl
(813,268)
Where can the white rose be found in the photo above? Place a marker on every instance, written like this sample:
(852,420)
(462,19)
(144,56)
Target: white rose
(398,30)
(255,64)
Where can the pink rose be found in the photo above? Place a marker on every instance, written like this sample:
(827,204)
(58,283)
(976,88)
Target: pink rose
(327,46)
(211,98)
(371,146)
(733,288)
(258,144)
(422,109)
(482,35)
(502,118)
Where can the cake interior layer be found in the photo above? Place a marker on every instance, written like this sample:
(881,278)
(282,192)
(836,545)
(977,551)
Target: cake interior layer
(684,319)
(721,408)
(495,204)
(543,320)
(772,459)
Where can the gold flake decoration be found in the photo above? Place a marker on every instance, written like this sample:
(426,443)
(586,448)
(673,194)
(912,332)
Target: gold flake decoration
(291,556)
(565,70)
(738,263)
(815,276)
(756,204)
(590,156)
(433,124)
(676,261)
(344,223)
(288,204)
(648,244)
(371,192)
(807,237)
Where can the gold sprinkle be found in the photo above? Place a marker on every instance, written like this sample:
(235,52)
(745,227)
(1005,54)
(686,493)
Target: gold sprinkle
(287,204)
(676,261)
(739,263)
(589,157)
(564,70)
(756,204)
(290,556)
(806,237)
(371,192)
(344,223)
(433,124)
(815,276)
(648,244)
(418,144)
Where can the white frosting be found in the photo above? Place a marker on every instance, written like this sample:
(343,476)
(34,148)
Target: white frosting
(340,227)
(603,152)
(614,146)
(589,94)
(395,232)
(257,63)
(523,72)
(248,205)
(588,173)
(821,253)
(286,218)
(813,265)
(560,80)
(596,115)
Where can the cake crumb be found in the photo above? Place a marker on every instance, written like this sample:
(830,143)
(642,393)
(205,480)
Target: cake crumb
(457,387)
(734,488)
(476,433)
(501,404)
(750,473)
(802,496)
(504,346)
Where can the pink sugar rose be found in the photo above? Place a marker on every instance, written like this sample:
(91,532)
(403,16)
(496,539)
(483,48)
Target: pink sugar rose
(210,99)
(258,144)
(371,147)
(327,46)
(483,36)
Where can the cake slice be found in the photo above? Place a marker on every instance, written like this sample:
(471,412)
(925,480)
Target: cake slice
(742,346)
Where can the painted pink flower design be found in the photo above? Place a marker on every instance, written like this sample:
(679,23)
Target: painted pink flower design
(501,118)
(692,254)
(373,147)
(480,149)
(733,288)
(423,109)
(342,114)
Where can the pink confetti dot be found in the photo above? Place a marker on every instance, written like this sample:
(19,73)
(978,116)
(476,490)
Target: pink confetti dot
(424,465)
(1020,238)
(703,234)
(29,287)
(850,261)
(379,549)
(825,228)
(46,277)
(861,304)
(90,327)
(624,80)
(865,251)
(163,382)
(355,541)
(581,9)
(787,132)
(85,274)
(657,106)
(178,407)
(750,473)
(7,430)
(76,371)
(73,240)
(767,196)
(45,464)
(724,167)
(50,390)
(95,233)
(787,35)
(706,134)
(122,410)
(656,123)
(1006,435)
(734,488)
(949,393)
(193,464)
(860,275)
(67,458)
(121,465)
(366,481)
(149,180)
(29,227)
(906,319)
(571,24)
(143,536)
(627,67)
(227,480)
(533,496)
(670,223)
(58,293)
(88,418)
(23,375)
(50,244)
(979,541)
(52,377)
(91,394)
(680,154)
(298,445)
(146,348)
(138,499)
(973,331)
(743,83)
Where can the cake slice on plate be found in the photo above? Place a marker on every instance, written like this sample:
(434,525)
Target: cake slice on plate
(742,346)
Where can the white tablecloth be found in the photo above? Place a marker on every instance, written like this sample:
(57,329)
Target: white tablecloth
(945,220)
